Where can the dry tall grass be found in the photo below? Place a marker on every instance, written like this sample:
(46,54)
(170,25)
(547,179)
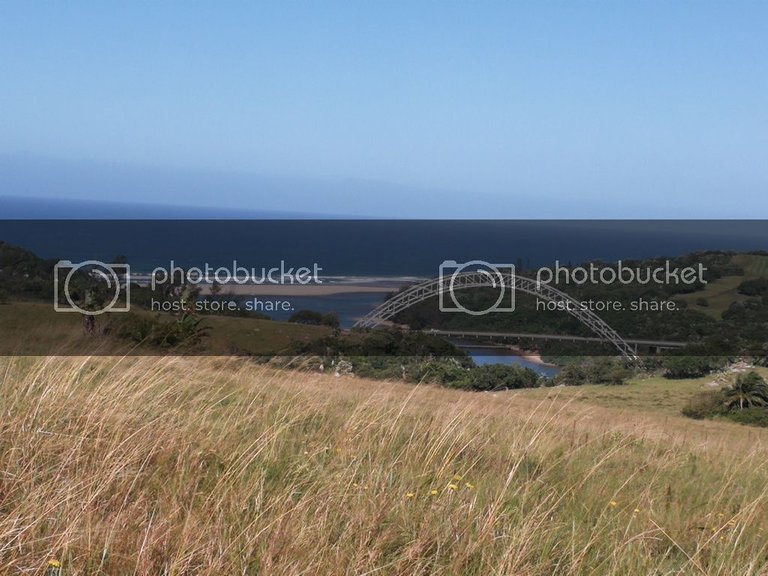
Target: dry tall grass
(216,466)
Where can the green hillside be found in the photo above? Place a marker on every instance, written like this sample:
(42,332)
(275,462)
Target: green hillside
(721,293)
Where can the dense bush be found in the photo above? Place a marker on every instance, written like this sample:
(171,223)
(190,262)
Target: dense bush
(754,287)
(594,371)
(381,342)
(157,332)
(314,318)
(22,274)
(503,377)
(444,371)
(688,366)
(750,416)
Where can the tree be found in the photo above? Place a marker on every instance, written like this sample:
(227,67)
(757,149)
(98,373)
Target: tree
(749,390)
(754,287)
(503,377)
(314,318)
(572,375)
(686,366)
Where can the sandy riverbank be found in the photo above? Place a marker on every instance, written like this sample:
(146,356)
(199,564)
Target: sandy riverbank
(530,355)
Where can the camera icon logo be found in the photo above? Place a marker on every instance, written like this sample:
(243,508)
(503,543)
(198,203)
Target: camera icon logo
(91,287)
(455,276)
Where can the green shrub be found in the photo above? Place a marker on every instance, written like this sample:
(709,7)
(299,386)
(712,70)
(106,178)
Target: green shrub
(754,287)
(503,377)
(750,416)
(594,371)
(314,318)
(687,366)
(156,332)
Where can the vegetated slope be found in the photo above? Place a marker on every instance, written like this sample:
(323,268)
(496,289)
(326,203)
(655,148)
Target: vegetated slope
(218,466)
(718,295)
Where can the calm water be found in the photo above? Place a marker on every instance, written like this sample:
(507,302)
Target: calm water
(372,247)
(492,355)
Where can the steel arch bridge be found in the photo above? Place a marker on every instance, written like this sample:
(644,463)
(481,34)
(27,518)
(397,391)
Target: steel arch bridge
(445,284)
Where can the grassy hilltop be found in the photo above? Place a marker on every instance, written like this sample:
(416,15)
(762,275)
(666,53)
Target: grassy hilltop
(720,294)
(217,466)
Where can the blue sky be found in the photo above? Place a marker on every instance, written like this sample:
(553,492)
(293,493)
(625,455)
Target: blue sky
(445,109)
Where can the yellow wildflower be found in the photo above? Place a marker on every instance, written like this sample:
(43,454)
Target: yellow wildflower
(54,563)
(613,503)
(470,485)
(452,487)
(433,492)
(410,495)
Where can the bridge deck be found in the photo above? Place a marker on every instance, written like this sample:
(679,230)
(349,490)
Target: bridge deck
(492,335)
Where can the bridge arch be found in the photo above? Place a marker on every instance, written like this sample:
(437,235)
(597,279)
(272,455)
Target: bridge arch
(480,279)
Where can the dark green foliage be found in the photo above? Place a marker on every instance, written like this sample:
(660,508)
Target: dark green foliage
(314,318)
(24,275)
(502,377)
(572,375)
(594,371)
(154,331)
(449,372)
(380,342)
(689,366)
(754,287)
(750,416)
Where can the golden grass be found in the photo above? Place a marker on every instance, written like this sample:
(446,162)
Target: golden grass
(217,466)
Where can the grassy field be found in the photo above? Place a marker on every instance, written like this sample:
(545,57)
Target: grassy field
(642,395)
(721,293)
(35,328)
(755,266)
(218,466)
